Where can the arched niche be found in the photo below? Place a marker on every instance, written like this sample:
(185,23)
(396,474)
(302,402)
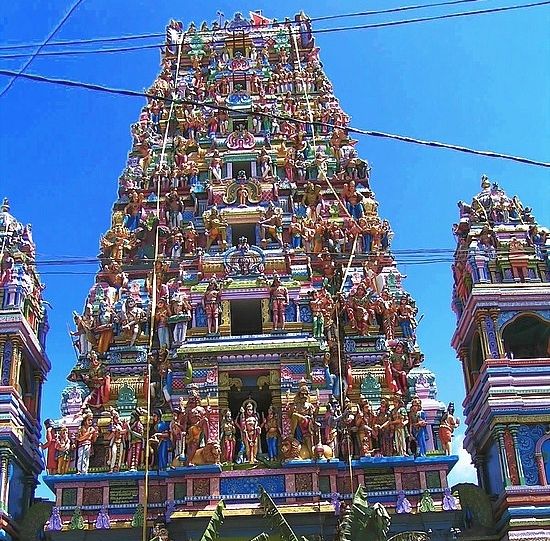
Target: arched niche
(542,455)
(476,357)
(527,336)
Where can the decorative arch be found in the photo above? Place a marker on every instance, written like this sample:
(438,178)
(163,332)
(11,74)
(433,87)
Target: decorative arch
(542,456)
(527,336)
(475,359)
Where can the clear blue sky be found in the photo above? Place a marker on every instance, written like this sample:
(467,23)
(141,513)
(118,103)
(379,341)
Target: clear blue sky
(478,81)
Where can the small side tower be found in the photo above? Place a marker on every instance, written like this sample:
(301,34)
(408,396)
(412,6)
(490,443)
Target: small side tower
(23,369)
(501,297)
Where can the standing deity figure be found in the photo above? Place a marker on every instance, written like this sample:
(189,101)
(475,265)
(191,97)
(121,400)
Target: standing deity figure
(116,438)
(400,421)
(85,336)
(353,200)
(177,437)
(278,297)
(86,436)
(330,425)
(405,317)
(388,309)
(364,422)
(174,209)
(162,313)
(49,446)
(215,167)
(316,304)
(394,369)
(63,450)
(418,427)
(229,437)
(266,168)
(132,320)
(160,441)
(383,430)
(303,425)
(195,424)
(447,426)
(250,429)
(98,381)
(272,432)
(215,227)
(181,315)
(135,441)
(211,303)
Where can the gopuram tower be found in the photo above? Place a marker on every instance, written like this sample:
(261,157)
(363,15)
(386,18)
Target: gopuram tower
(501,297)
(23,369)
(248,337)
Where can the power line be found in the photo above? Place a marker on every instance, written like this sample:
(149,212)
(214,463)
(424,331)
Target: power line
(37,52)
(313,19)
(313,31)
(369,133)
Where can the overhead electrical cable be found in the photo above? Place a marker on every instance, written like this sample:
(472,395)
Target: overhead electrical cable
(313,31)
(37,52)
(350,129)
(158,35)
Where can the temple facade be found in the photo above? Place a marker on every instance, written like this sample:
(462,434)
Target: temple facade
(501,298)
(23,369)
(248,337)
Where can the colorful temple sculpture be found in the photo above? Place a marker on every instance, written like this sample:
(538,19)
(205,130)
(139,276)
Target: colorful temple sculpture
(23,369)
(248,332)
(501,298)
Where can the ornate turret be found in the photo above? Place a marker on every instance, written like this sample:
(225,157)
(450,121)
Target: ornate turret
(501,297)
(231,341)
(23,369)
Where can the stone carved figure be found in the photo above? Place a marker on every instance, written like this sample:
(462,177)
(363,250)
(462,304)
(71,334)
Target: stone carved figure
(447,426)
(278,298)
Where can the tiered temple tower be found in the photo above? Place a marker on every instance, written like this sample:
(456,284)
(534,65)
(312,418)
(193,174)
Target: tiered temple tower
(248,326)
(23,369)
(501,298)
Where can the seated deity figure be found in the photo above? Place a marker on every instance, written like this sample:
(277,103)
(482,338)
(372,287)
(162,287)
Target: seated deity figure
(194,422)
(302,413)
(271,226)
(249,424)
(216,228)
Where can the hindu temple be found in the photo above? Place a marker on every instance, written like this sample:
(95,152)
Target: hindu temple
(501,298)
(24,366)
(248,338)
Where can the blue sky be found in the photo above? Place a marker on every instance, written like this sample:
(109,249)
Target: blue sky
(480,81)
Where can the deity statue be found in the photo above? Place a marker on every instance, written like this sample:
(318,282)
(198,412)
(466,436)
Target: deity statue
(135,436)
(49,445)
(418,427)
(394,369)
(229,437)
(249,424)
(264,160)
(302,413)
(332,374)
(116,438)
(383,430)
(133,317)
(447,426)
(330,425)
(278,297)
(364,422)
(177,437)
(86,436)
(194,422)
(133,211)
(215,227)
(400,421)
(215,167)
(160,441)
(405,317)
(84,331)
(98,381)
(181,315)
(272,433)
(174,209)
(162,313)
(63,451)
(211,303)
(271,226)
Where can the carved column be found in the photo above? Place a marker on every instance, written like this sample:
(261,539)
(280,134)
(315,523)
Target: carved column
(38,381)
(498,435)
(514,431)
(15,363)
(479,461)
(482,330)
(493,314)
(4,479)
(465,361)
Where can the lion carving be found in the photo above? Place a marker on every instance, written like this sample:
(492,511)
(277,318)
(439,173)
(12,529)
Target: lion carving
(292,449)
(209,454)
